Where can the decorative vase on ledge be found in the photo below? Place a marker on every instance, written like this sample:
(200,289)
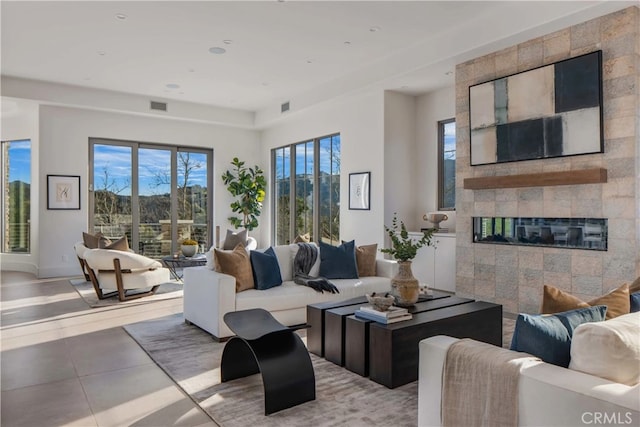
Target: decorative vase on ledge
(404,287)
(189,250)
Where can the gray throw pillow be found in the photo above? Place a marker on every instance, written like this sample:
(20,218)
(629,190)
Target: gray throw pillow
(233,239)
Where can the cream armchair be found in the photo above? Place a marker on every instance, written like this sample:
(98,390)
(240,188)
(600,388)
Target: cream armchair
(80,249)
(121,273)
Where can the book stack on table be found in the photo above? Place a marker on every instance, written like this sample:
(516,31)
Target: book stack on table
(392,315)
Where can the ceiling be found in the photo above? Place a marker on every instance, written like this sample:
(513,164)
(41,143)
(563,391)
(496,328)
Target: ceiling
(276,51)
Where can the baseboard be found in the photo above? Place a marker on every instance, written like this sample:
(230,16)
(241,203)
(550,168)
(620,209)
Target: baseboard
(25,267)
(66,271)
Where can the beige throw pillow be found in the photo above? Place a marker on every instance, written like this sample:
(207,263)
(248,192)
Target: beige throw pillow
(302,238)
(235,263)
(609,349)
(95,241)
(555,301)
(119,245)
(366,260)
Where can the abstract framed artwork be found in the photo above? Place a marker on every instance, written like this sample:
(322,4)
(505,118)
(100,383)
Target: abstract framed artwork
(63,192)
(359,190)
(550,111)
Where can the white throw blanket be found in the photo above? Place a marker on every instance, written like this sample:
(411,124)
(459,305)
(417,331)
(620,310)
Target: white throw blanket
(480,385)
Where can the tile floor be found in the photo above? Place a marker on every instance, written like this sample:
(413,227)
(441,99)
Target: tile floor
(65,364)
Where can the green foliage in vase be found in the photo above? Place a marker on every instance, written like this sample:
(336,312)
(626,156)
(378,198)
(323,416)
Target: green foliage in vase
(189,242)
(248,185)
(403,247)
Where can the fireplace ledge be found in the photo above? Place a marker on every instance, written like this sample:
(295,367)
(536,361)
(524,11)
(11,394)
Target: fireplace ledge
(585,176)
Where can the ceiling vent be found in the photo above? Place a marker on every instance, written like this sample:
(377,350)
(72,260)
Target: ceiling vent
(158,106)
(284,107)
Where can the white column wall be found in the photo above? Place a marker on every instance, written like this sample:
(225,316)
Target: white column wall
(400,161)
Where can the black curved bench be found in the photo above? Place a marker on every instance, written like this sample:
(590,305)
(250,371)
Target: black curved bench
(265,345)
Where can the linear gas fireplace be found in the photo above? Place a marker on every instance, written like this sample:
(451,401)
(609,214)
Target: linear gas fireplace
(574,233)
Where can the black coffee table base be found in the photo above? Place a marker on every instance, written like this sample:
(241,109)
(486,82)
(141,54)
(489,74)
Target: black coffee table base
(264,345)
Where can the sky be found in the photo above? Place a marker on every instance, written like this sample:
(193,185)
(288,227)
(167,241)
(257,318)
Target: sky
(20,161)
(283,165)
(152,163)
(450,139)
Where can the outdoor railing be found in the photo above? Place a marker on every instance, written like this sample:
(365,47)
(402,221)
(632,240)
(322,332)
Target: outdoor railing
(17,237)
(154,239)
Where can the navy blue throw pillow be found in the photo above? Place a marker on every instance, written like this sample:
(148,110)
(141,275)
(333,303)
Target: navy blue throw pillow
(634,302)
(266,271)
(338,262)
(548,336)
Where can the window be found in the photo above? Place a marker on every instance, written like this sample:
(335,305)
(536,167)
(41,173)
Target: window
(156,195)
(307,200)
(447,165)
(16,200)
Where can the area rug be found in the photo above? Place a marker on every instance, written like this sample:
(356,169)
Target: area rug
(168,290)
(191,358)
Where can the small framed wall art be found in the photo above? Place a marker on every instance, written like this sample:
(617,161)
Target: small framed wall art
(359,190)
(63,192)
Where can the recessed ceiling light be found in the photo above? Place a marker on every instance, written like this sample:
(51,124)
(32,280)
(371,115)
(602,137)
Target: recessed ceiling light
(191,70)
(347,43)
(448,73)
(121,16)
(227,41)
(102,53)
(172,85)
(309,61)
(217,50)
(374,29)
(404,87)
(265,83)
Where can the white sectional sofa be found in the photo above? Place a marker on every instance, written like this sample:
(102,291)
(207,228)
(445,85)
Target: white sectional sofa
(209,295)
(548,395)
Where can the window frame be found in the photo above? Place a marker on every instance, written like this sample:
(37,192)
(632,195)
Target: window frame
(5,183)
(316,215)
(174,150)
(441,178)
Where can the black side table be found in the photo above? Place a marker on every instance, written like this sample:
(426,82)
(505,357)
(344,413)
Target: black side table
(265,345)
(173,264)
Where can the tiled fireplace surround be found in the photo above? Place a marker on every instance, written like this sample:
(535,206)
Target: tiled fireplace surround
(514,275)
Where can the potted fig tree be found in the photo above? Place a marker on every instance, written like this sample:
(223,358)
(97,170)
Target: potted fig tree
(248,185)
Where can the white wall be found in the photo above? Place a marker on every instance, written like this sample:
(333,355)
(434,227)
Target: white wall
(20,121)
(430,109)
(400,161)
(391,135)
(64,149)
(359,120)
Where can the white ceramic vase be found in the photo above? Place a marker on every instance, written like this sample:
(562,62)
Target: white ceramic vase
(189,250)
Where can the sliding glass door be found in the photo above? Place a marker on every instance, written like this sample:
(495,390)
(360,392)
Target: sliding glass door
(163,190)
(111,196)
